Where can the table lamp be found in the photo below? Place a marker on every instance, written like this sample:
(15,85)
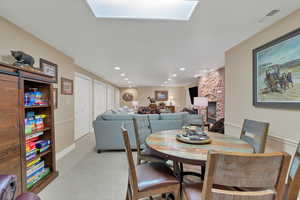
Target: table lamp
(201,103)
(135,104)
(171,100)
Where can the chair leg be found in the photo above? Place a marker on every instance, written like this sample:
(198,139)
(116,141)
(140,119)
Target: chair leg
(128,193)
(176,169)
(139,161)
(177,195)
(203,172)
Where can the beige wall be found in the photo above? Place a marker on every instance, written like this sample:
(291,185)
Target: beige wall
(141,93)
(238,84)
(14,38)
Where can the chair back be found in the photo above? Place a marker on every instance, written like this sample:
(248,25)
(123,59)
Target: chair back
(132,171)
(142,129)
(255,133)
(251,171)
(294,177)
(8,184)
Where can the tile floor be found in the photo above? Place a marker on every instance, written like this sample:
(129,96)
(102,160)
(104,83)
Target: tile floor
(86,175)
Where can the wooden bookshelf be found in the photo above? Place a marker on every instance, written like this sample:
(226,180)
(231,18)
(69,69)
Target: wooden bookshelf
(14,83)
(42,106)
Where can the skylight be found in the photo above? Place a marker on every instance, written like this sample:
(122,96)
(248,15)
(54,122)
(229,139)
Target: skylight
(144,9)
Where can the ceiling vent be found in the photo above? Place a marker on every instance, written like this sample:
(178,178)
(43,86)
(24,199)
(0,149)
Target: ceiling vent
(272,13)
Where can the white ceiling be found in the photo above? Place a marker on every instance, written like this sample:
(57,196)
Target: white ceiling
(147,51)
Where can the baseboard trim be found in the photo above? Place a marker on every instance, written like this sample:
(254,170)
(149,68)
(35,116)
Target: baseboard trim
(65,151)
(272,137)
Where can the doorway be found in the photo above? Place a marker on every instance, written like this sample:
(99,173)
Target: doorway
(99,98)
(83,105)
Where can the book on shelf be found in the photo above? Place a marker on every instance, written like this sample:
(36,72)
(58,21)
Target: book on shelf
(33,162)
(36,171)
(35,168)
(37,178)
(28,137)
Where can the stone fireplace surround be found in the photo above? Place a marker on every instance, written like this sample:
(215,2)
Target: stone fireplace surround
(212,85)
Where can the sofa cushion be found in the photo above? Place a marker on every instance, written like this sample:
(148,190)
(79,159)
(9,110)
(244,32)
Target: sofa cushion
(115,111)
(117,117)
(192,119)
(171,116)
(153,116)
(99,117)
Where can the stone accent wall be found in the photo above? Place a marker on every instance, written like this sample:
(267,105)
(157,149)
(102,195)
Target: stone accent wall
(212,86)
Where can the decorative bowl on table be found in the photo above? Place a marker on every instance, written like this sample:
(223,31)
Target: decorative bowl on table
(193,135)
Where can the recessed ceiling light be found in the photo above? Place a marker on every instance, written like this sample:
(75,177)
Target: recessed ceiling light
(182,69)
(126,79)
(165,82)
(174,75)
(117,68)
(122,74)
(169,79)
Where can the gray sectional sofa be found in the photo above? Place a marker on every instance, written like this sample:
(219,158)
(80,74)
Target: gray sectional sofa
(107,127)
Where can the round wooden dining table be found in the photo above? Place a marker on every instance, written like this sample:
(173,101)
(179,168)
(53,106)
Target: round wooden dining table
(164,144)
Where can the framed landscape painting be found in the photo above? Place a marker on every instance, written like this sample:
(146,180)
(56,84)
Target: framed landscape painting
(161,95)
(276,72)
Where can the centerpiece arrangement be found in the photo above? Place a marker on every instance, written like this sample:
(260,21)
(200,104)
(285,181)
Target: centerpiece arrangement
(193,135)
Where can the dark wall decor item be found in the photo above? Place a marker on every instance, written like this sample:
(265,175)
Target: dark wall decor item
(128,97)
(161,95)
(49,68)
(22,59)
(151,100)
(193,93)
(276,72)
(66,86)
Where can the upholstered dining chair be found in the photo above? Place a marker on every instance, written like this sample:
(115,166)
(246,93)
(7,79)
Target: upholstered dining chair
(142,129)
(148,179)
(263,174)
(255,133)
(293,185)
(8,184)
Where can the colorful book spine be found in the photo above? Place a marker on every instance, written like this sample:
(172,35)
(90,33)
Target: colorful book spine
(37,178)
(30,164)
(44,149)
(35,168)
(42,143)
(36,171)
(35,135)
(31,156)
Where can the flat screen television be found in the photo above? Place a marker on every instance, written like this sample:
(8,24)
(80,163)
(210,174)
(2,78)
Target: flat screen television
(193,93)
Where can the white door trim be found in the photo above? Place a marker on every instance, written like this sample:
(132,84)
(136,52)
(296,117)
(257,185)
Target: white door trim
(110,104)
(79,75)
(105,87)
